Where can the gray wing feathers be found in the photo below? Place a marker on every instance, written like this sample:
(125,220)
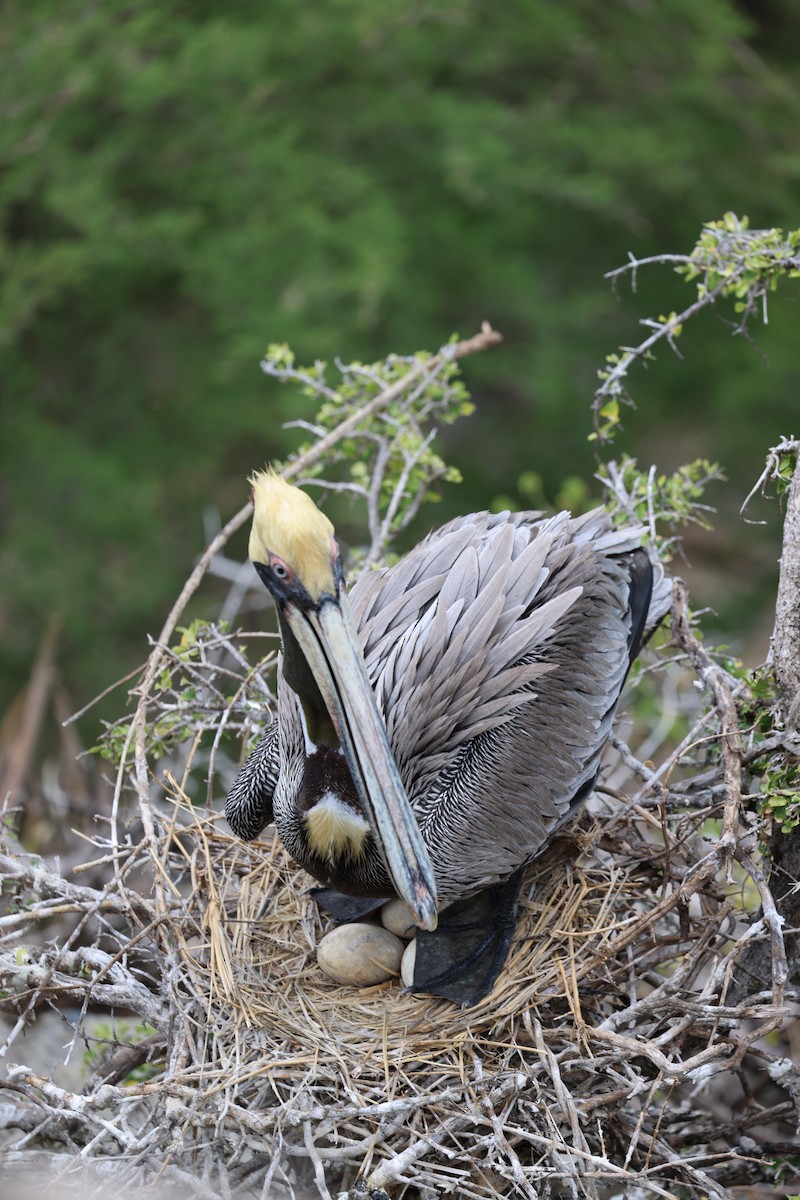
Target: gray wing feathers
(622,541)
(498,674)
(459,667)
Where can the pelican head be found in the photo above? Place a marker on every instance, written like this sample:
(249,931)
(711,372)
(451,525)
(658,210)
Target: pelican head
(294,551)
(289,531)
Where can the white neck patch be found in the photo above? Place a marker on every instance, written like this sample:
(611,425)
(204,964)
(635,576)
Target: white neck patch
(335,830)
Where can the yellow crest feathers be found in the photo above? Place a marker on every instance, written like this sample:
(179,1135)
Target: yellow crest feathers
(288,523)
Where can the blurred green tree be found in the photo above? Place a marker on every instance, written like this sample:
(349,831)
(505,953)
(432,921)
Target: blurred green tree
(182,183)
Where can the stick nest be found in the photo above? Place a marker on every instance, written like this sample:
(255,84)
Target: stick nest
(614,999)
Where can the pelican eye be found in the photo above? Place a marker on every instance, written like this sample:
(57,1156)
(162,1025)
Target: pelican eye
(279,569)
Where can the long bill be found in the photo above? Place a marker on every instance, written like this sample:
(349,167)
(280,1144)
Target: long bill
(328,639)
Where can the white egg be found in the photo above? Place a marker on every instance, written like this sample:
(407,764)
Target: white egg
(407,964)
(397,918)
(359,954)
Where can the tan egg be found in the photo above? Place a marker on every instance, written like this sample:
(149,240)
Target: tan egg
(397,918)
(359,954)
(407,964)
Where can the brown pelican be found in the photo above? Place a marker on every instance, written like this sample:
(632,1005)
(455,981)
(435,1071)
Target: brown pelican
(438,724)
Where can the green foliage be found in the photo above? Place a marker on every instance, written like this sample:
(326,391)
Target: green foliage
(660,499)
(194,695)
(786,1171)
(733,261)
(757,704)
(776,772)
(397,437)
(784,470)
(108,1038)
(780,785)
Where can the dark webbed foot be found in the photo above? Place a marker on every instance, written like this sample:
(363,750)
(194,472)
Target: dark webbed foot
(464,955)
(344,908)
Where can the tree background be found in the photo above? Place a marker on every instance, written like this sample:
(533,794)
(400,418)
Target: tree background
(182,184)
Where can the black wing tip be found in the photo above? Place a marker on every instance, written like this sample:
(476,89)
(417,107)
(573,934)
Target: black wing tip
(639,596)
(245,824)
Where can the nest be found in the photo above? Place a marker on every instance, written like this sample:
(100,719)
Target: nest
(613,998)
(265,965)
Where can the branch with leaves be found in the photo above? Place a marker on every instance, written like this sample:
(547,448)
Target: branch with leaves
(729,262)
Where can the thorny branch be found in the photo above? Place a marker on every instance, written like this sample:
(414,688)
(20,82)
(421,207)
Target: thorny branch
(612,385)
(731,261)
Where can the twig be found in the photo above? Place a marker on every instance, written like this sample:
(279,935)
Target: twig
(612,384)
(723,689)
